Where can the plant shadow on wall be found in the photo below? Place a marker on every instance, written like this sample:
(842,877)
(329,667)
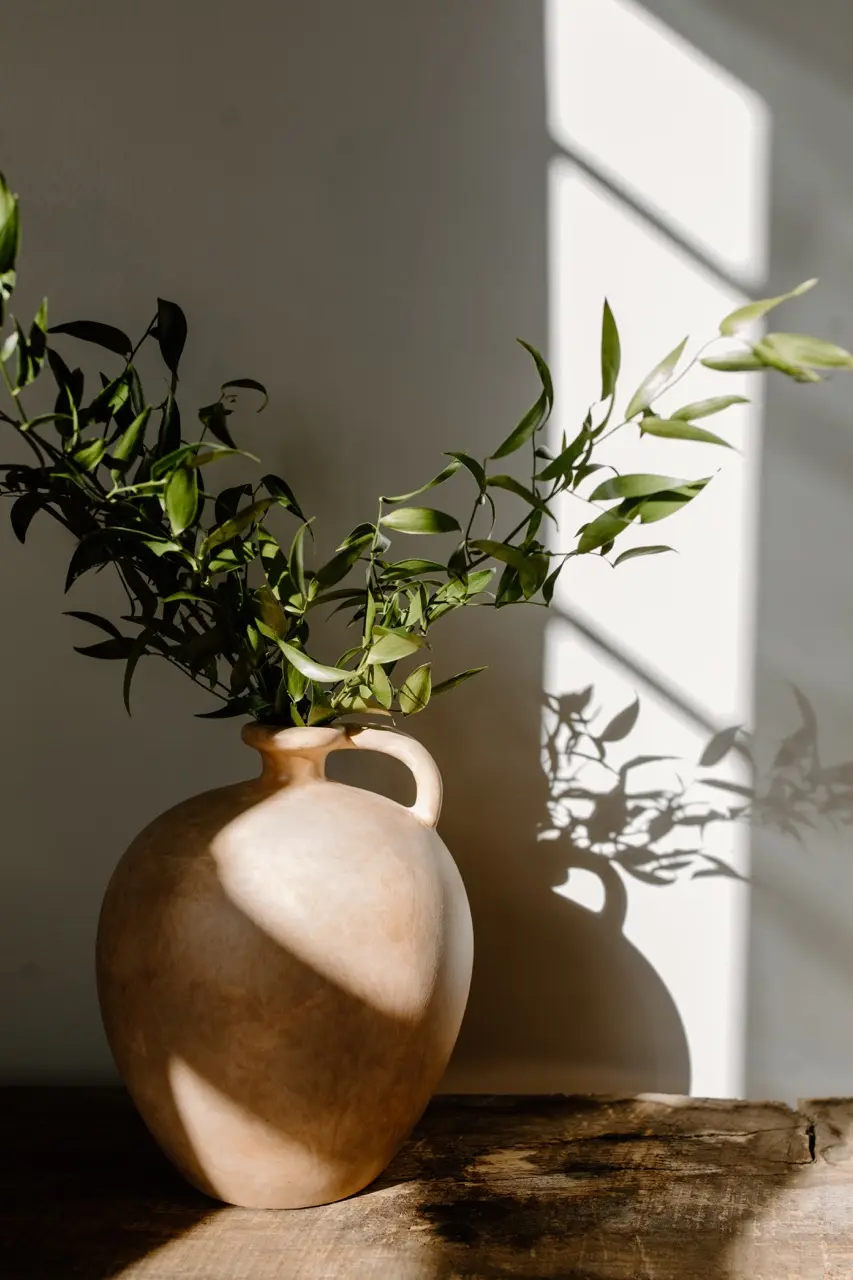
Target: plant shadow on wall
(573,988)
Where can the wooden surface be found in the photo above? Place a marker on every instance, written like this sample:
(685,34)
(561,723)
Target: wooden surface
(575,1188)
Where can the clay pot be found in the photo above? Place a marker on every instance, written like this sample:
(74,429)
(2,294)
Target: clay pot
(283,966)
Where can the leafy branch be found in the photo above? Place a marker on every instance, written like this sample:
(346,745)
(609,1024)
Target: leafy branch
(211,588)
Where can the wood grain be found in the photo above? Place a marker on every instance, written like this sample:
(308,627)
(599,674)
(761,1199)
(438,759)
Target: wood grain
(569,1188)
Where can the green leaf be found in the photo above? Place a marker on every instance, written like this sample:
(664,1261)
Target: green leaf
(283,494)
(704,408)
(171,333)
(295,681)
(90,455)
(215,419)
(10,229)
(735,363)
(635,552)
(802,351)
(676,429)
(37,341)
(251,385)
(95,620)
(394,646)
(655,382)
(181,498)
(380,686)
(563,464)
(744,316)
(448,471)
(22,512)
(119,648)
(531,567)
(446,685)
(667,504)
(611,353)
(719,746)
(601,531)
(228,711)
(531,422)
(511,485)
(542,369)
(621,725)
(102,335)
(419,520)
(635,486)
(139,647)
(296,559)
(404,569)
(476,468)
(233,528)
(415,693)
(309,668)
(130,442)
(169,435)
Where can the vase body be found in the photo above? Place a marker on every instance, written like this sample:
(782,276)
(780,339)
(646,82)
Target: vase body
(283,966)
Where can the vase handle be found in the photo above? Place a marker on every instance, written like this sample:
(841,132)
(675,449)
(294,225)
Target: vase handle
(427,806)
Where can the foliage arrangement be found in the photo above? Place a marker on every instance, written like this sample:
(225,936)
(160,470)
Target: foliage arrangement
(213,590)
(601,802)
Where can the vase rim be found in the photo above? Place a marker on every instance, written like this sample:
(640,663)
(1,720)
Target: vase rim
(277,738)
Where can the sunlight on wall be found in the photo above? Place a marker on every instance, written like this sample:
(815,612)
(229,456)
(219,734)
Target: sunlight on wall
(680,147)
(676,131)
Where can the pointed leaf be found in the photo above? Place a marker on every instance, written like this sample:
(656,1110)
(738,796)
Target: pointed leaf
(394,646)
(635,486)
(734,363)
(419,520)
(676,429)
(601,531)
(380,686)
(130,442)
(744,316)
(542,369)
(635,552)
(237,525)
(415,693)
(511,485)
(802,351)
(10,229)
(611,353)
(311,669)
(181,498)
(215,419)
(655,382)
(704,408)
(171,333)
(102,335)
(476,468)
(446,685)
(448,471)
(22,512)
(283,494)
(95,620)
(90,455)
(251,385)
(527,427)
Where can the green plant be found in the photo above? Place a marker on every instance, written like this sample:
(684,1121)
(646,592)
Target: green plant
(212,589)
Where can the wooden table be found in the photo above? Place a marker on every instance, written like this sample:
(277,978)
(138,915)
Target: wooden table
(576,1188)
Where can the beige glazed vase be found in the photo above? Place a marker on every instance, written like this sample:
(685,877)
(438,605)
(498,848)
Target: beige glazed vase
(283,966)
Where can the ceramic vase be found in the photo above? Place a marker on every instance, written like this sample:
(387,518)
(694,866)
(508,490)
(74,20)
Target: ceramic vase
(283,965)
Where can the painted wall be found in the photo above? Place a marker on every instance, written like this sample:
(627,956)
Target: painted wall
(352,203)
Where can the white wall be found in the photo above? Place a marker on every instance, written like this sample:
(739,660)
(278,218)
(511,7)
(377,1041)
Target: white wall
(350,201)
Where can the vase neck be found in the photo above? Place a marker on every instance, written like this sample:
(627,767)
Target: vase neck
(292,755)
